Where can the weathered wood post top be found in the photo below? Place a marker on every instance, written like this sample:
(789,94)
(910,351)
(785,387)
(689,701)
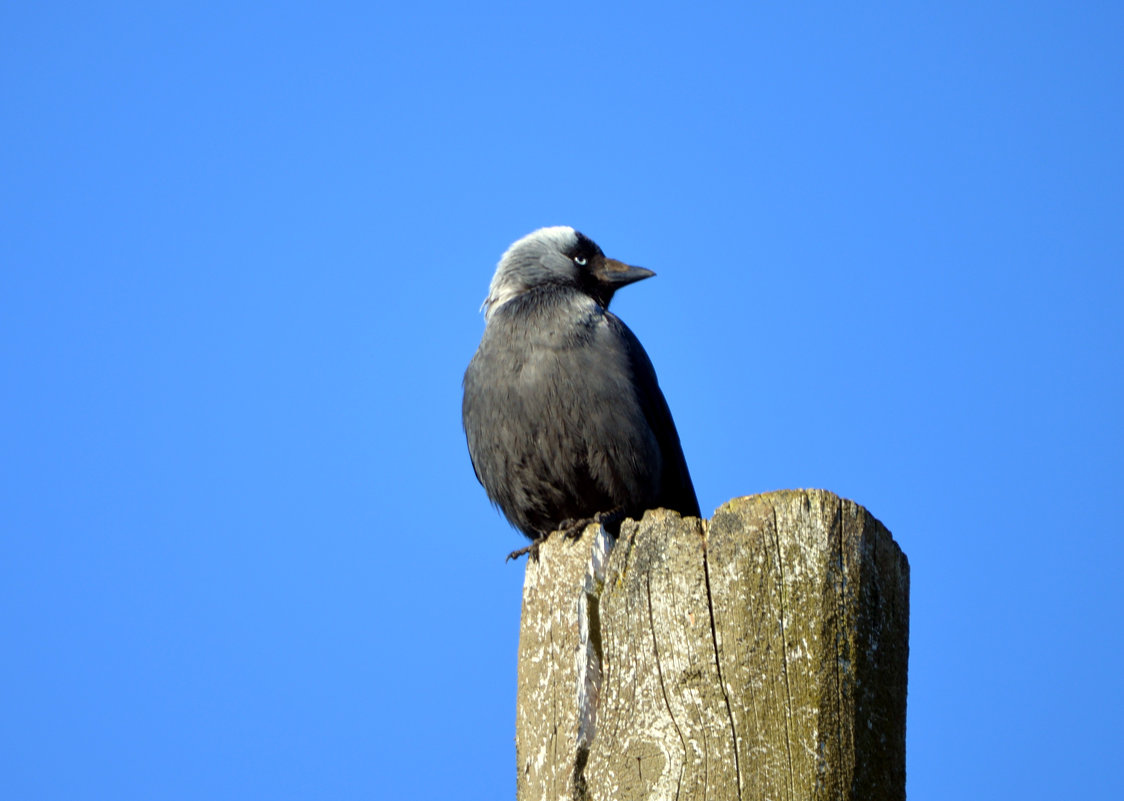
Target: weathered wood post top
(759,655)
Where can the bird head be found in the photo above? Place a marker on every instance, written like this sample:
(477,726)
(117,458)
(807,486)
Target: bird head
(563,257)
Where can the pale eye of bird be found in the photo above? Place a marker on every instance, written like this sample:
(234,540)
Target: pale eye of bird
(578,260)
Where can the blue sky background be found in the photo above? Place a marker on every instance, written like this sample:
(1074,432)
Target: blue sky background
(242,251)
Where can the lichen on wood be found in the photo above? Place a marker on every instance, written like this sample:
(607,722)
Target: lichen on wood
(761,654)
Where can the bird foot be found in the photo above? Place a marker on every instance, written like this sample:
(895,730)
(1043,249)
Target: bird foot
(572,529)
(611,521)
(532,549)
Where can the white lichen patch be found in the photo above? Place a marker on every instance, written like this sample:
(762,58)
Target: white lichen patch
(588,656)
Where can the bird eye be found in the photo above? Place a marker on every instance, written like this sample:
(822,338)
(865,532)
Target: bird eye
(578,260)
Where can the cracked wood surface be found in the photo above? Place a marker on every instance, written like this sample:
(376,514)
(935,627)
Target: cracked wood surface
(758,655)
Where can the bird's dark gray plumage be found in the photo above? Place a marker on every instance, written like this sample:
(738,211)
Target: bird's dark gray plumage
(562,411)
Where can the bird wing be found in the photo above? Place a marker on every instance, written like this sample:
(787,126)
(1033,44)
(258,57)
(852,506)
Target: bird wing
(676,490)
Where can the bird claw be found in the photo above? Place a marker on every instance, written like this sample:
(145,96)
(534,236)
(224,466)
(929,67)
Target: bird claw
(572,529)
(610,520)
(532,549)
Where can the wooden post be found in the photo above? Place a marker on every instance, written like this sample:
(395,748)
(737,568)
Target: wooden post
(758,655)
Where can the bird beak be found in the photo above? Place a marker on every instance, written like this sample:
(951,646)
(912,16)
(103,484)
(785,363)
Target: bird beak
(617,273)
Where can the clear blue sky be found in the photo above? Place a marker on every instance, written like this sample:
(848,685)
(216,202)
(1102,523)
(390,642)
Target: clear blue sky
(242,252)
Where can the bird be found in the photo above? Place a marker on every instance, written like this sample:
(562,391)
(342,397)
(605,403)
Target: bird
(564,417)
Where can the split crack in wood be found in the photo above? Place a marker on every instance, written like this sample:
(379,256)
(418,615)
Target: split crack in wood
(718,662)
(784,652)
(663,684)
(589,654)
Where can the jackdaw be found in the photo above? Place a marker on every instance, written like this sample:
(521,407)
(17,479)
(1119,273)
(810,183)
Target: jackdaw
(564,418)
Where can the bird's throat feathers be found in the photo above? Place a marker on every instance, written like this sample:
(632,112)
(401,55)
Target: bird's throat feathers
(549,315)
